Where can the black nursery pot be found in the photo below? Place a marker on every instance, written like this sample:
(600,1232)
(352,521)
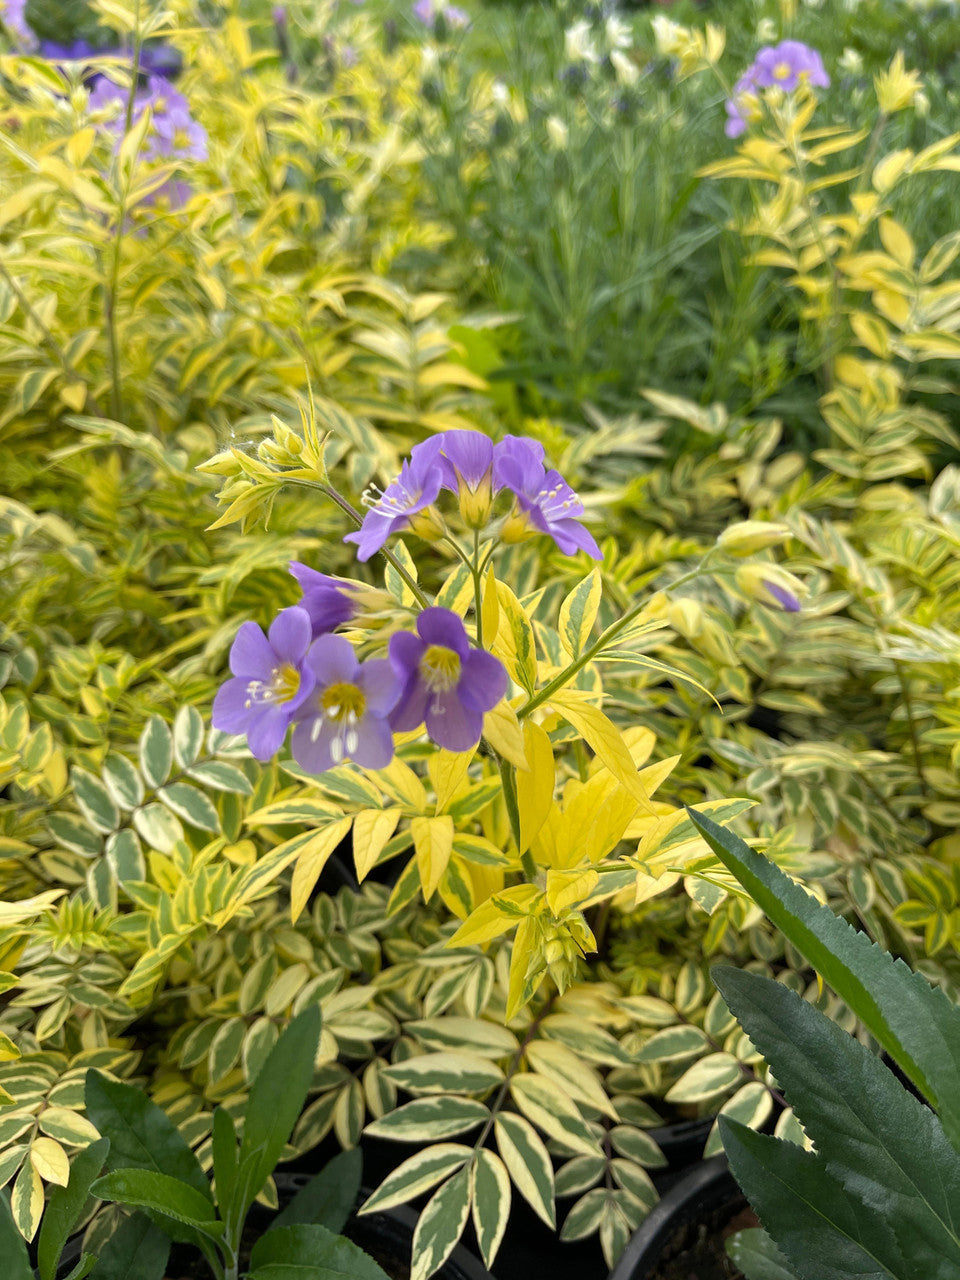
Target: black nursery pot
(387,1237)
(700,1206)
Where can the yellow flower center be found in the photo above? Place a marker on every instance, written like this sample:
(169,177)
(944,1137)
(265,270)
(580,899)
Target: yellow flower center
(782,71)
(344,703)
(281,688)
(440,668)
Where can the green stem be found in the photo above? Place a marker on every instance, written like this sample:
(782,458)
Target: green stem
(477,586)
(511,1071)
(355,515)
(566,675)
(911,722)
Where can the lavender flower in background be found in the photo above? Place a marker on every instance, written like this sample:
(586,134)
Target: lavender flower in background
(14,17)
(784,66)
(270,681)
(447,685)
(327,600)
(788,63)
(785,598)
(173,131)
(346,714)
(398,506)
(451,15)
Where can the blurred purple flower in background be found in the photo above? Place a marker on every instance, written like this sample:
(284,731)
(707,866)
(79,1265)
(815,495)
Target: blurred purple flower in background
(14,18)
(447,685)
(451,15)
(784,66)
(173,131)
(270,681)
(346,714)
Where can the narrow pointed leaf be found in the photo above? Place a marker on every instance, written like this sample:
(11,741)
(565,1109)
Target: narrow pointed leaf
(915,1023)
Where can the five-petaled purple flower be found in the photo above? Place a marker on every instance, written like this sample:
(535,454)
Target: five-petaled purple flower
(328,601)
(447,685)
(397,507)
(783,66)
(545,503)
(270,681)
(345,716)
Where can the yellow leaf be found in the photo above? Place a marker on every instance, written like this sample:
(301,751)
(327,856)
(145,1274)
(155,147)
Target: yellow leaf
(604,738)
(567,889)
(890,169)
(433,842)
(74,395)
(26,1202)
(525,974)
(897,242)
(448,771)
(501,728)
(372,828)
(578,613)
(496,915)
(490,607)
(312,859)
(515,644)
(27,908)
(50,1161)
(80,145)
(535,784)
(399,780)
(23,198)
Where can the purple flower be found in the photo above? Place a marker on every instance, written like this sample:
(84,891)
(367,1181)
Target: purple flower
(346,714)
(783,66)
(786,64)
(455,17)
(544,502)
(271,681)
(424,11)
(397,507)
(327,600)
(446,684)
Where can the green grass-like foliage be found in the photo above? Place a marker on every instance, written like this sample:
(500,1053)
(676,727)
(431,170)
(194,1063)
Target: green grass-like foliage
(877,1196)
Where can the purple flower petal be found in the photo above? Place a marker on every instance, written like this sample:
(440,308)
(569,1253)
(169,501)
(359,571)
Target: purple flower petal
(380,684)
(374,749)
(483,680)
(443,627)
(786,598)
(470,456)
(290,634)
(332,660)
(311,746)
(231,707)
(409,712)
(518,465)
(251,654)
(451,724)
(266,732)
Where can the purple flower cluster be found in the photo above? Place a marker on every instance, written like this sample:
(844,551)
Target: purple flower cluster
(470,465)
(784,66)
(344,709)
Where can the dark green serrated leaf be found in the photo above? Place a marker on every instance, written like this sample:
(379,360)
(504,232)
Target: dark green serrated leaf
(754,1253)
(181,1211)
(885,1146)
(820,1229)
(914,1022)
(141,1135)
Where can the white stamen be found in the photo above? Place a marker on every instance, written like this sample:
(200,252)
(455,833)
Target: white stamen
(315,731)
(336,750)
(352,741)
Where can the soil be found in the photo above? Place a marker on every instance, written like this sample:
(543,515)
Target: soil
(696,1250)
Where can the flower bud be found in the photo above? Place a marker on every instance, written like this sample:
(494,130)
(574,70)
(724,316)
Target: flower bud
(772,585)
(748,536)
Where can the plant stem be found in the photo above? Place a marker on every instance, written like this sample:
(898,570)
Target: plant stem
(912,724)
